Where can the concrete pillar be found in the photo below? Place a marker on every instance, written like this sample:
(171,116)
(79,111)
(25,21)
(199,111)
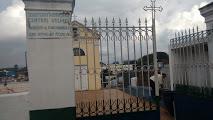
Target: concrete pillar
(207,13)
(210,49)
(50,59)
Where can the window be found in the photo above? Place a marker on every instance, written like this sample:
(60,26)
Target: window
(78,52)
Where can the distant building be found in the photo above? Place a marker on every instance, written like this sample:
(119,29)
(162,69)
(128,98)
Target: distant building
(8,73)
(86,57)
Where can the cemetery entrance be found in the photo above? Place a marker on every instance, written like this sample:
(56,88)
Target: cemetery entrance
(113,70)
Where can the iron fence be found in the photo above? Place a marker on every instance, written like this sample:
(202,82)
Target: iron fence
(190,60)
(109,65)
(110,107)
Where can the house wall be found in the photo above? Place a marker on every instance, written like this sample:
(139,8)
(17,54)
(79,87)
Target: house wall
(92,59)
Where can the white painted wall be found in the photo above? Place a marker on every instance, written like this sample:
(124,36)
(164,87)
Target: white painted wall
(51,73)
(210,47)
(14,106)
(50,60)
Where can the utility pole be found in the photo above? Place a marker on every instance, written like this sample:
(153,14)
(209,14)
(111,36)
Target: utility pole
(154,9)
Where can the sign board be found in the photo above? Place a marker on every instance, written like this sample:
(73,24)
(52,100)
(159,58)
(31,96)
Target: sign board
(48,24)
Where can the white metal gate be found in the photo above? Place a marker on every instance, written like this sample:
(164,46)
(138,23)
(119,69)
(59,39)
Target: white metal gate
(113,54)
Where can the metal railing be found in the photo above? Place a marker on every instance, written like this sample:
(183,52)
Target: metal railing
(111,66)
(190,59)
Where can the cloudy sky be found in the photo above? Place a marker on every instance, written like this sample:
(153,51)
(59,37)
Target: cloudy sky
(177,15)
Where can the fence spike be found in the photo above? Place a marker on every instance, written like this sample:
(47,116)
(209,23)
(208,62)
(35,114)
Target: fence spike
(193,30)
(106,21)
(99,21)
(189,31)
(139,21)
(120,22)
(185,32)
(133,28)
(197,29)
(146,22)
(182,36)
(85,21)
(113,21)
(186,38)
(93,22)
(126,22)
(178,34)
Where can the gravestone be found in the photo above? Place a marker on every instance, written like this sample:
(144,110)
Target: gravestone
(50,59)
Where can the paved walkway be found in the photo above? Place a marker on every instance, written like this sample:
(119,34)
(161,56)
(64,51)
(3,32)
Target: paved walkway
(165,114)
(80,96)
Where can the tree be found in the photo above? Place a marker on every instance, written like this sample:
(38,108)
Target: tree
(16,67)
(161,56)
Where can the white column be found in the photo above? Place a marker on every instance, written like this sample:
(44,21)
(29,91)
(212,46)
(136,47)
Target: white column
(50,59)
(171,67)
(210,51)
(207,13)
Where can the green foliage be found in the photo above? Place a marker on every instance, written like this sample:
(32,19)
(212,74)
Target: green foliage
(161,56)
(16,67)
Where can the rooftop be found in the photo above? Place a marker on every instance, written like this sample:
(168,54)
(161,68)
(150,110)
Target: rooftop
(208,5)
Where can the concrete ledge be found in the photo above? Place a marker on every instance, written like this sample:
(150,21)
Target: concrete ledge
(14,106)
(49,5)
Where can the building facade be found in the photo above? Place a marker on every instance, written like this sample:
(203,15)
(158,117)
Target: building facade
(86,58)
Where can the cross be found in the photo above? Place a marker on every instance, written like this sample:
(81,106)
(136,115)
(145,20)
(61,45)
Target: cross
(74,17)
(153,9)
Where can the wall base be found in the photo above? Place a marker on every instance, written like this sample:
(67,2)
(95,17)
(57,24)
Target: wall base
(54,114)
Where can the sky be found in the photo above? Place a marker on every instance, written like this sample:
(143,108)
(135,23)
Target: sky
(177,15)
